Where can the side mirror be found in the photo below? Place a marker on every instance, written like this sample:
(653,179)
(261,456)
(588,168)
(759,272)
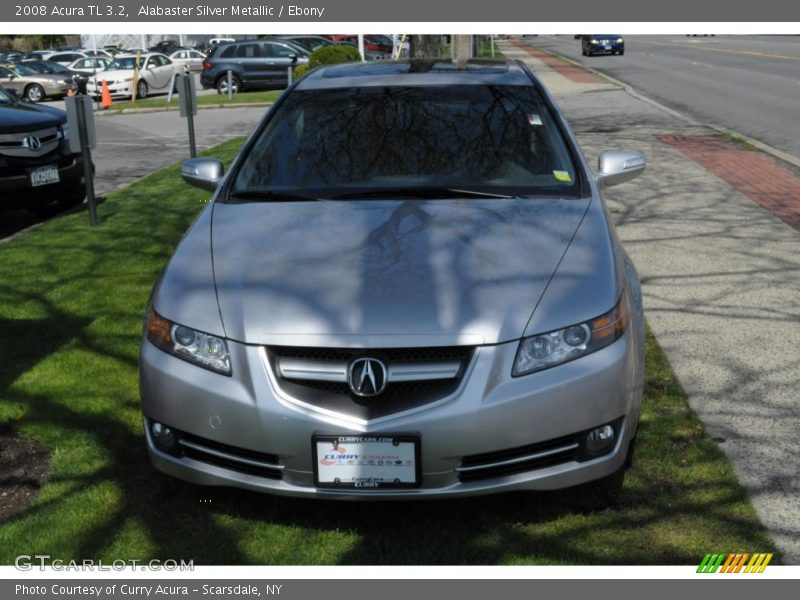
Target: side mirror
(204,173)
(618,166)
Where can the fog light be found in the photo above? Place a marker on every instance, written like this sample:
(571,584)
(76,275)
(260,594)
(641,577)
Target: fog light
(162,435)
(600,440)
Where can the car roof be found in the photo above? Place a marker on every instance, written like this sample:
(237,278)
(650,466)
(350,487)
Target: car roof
(417,72)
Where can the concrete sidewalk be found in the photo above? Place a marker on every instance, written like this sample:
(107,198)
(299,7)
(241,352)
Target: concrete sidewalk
(720,279)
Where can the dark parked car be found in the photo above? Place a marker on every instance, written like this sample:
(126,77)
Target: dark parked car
(36,164)
(253,64)
(602,44)
(308,42)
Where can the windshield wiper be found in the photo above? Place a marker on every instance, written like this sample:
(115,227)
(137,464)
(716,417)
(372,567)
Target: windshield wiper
(420,192)
(271,196)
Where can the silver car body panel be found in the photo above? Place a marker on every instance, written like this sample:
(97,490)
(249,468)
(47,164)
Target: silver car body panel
(387,273)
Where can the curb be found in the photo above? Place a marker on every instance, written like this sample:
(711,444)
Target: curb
(136,111)
(766,148)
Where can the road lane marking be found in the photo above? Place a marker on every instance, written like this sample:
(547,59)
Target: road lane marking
(740,52)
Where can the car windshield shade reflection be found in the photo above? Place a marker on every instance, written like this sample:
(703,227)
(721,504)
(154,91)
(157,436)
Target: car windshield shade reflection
(352,142)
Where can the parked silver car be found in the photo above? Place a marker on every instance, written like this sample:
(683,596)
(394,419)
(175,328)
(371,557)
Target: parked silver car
(406,286)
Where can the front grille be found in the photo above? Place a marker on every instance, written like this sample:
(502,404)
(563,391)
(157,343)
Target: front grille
(15,166)
(398,395)
(228,457)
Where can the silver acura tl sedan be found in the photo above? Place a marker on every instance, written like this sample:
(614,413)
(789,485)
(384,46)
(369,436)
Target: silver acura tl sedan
(406,286)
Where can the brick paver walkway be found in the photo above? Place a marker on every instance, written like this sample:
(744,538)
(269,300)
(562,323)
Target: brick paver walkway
(754,174)
(568,70)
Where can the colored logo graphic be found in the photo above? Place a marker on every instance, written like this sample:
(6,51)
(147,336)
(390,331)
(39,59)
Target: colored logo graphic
(734,563)
(330,458)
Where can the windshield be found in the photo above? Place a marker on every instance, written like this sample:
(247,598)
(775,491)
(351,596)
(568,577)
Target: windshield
(498,139)
(126,62)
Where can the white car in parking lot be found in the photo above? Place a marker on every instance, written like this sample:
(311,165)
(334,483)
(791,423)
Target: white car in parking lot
(155,75)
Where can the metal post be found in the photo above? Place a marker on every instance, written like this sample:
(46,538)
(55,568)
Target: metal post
(86,152)
(289,76)
(186,100)
(230,85)
(491,41)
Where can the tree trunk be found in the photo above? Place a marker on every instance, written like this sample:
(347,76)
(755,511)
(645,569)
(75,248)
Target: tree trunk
(425,46)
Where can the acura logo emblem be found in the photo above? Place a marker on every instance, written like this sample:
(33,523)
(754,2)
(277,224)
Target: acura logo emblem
(366,376)
(32,142)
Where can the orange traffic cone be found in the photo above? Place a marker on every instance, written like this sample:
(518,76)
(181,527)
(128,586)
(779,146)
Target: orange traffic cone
(106,101)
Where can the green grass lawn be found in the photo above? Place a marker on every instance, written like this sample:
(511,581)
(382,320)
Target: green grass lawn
(72,299)
(204,100)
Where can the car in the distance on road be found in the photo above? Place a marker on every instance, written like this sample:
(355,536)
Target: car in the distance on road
(407,286)
(155,75)
(37,167)
(592,45)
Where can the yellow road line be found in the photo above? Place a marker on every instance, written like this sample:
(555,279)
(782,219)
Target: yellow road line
(741,52)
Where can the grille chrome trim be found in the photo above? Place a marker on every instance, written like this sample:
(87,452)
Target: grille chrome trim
(519,459)
(312,370)
(228,456)
(336,371)
(423,371)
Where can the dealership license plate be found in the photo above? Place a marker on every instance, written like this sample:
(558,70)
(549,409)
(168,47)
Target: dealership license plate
(608,47)
(366,462)
(44,176)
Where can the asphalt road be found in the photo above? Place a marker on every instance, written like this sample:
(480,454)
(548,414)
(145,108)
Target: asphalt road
(132,146)
(750,84)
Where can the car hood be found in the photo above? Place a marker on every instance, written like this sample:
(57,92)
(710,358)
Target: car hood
(28,117)
(386,273)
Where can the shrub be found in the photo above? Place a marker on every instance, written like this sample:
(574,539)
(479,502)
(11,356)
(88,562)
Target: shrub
(300,71)
(331,55)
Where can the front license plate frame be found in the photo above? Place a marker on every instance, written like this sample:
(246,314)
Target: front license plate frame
(47,175)
(359,467)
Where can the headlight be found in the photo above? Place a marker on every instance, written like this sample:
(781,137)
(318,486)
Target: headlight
(63,131)
(619,40)
(200,348)
(595,42)
(546,350)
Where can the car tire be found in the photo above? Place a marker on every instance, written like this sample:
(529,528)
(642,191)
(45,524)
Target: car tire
(34,93)
(222,84)
(141,89)
(621,52)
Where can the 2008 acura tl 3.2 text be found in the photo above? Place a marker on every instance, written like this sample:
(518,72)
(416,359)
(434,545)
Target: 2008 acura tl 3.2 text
(406,286)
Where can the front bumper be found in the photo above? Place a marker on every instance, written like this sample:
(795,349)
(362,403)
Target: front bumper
(490,412)
(16,190)
(120,90)
(610,48)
